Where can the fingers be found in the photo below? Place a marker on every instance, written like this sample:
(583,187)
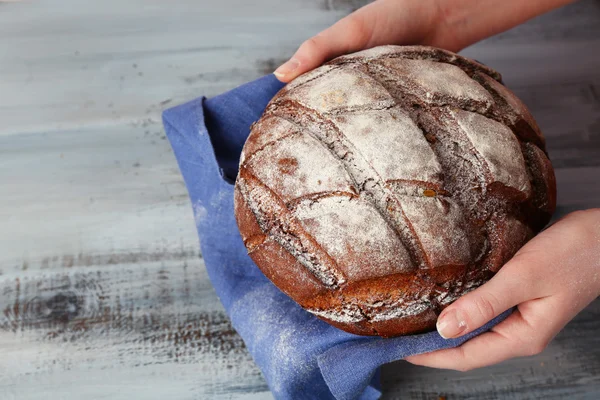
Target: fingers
(552,278)
(506,289)
(538,270)
(513,337)
(348,35)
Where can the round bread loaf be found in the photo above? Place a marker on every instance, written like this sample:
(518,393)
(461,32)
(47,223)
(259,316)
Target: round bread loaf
(380,187)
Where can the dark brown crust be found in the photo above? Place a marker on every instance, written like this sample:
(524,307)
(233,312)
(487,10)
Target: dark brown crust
(246,219)
(542,179)
(280,266)
(505,240)
(500,218)
(422,322)
(284,228)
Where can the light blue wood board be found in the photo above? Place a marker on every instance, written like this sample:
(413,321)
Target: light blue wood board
(102,292)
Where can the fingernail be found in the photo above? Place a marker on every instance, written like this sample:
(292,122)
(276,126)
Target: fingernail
(451,324)
(287,68)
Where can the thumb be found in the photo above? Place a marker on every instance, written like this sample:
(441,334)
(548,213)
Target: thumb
(348,35)
(473,310)
(380,22)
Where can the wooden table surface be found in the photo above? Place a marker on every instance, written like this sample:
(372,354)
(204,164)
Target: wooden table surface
(103,293)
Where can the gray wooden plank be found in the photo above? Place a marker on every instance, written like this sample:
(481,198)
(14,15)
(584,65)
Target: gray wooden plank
(95,191)
(578,21)
(578,189)
(145,329)
(101,290)
(71,64)
(569,116)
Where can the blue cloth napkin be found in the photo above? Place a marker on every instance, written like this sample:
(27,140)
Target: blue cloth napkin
(300,356)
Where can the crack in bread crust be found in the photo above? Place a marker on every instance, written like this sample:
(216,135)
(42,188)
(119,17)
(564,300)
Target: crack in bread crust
(367,180)
(287,231)
(422,53)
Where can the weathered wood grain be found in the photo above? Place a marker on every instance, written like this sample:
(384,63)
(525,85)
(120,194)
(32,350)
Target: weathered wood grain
(577,22)
(91,191)
(125,327)
(102,290)
(80,64)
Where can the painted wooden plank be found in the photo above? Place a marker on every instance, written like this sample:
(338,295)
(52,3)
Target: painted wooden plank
(102,292)
(114,61)
(147,329)
(97,191)
(117,61)
(578,21)
(569,115)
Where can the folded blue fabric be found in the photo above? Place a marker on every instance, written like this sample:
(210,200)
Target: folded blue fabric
(300,356)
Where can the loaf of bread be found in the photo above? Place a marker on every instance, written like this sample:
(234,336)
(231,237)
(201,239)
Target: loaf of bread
(380,187)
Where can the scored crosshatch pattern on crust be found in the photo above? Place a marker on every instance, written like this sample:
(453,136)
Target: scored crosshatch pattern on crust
(416,173)
(417,53)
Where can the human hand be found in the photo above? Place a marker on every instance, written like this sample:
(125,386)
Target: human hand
(551,279)
(448,24)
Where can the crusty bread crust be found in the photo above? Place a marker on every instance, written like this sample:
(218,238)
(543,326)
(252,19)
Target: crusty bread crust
(380,187)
